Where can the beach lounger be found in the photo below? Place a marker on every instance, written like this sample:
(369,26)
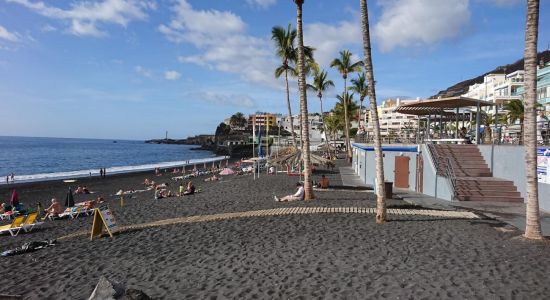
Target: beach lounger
(14,227)
(30,222)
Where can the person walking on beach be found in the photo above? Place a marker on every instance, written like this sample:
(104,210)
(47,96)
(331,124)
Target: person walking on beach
(12,177)
(7,179)
(101,173)
(104,173)
(299,195)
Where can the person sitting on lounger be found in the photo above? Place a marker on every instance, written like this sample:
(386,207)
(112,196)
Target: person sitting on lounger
(54,209)
(299,195)
(5,208)
(85,190)
(190,190)
(323,183)
(79,190)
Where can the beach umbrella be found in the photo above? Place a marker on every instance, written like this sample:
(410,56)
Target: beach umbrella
(292,156)
(14,199)
(69,200)
(227,171)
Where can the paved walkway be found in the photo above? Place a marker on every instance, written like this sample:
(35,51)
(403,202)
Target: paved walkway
(507,212)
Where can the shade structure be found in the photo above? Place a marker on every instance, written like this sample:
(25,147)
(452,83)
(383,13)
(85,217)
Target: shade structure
(69,199)
(438,106)
(227,171)
(14,200)
(292,156)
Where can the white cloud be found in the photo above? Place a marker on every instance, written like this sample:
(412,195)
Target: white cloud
(328,40)
(220,37)
(171,75)
(143,71)
(48,28)
(86,17)
(235,100)
(406,23)
(8,36)
(264,4)
(504,2)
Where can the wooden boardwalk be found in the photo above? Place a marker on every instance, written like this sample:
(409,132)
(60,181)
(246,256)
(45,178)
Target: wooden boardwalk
(396,214)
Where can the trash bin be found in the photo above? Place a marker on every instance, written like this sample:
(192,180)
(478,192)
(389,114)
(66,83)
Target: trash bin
(388,186)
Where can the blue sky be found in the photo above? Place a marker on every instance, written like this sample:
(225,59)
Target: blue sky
(133,69)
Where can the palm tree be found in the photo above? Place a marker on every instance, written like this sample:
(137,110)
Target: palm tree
(237,120)
(320,85)
(380,190)
(334,125)
(284,48)
(345,67)
(516,111)
(532,226)
(341,109)
(308,186)
(360,87)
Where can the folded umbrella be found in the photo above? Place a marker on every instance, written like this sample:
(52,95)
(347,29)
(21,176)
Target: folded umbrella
(69,200)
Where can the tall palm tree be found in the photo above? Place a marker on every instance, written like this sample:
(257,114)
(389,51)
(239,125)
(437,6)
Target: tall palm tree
(308,186)
(320,85)
(380,189)
(516,111)
(532,226)
(359,86)
(344,65)
(284,48)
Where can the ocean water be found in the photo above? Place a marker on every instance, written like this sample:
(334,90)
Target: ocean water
(34,159)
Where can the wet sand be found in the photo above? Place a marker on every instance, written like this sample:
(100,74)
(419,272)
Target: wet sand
(324,256)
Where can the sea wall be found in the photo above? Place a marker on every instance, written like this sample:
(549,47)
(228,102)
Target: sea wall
(508,162)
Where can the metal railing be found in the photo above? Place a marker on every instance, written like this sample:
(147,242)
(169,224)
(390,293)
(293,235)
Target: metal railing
(451,176)
(449,170)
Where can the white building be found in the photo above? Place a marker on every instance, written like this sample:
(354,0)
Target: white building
(316,133)
(497,88)
(392,124)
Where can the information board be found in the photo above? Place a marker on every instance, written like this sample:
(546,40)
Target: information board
(103,219)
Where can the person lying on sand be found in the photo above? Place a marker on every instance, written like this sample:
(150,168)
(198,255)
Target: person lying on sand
(190,190)
(54,209)
(299,195)
(213,178)
(146,182)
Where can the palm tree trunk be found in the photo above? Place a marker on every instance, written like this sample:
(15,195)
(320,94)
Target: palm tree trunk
(308,187)
(360,111)
(380,189)
(289,109)
(532,226)
(324,125)
(346,120)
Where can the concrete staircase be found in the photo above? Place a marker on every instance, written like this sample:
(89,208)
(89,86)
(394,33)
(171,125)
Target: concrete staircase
(472,178)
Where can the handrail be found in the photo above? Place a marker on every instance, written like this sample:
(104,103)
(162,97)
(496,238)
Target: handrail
(449,171)
(451,176)
(435,157)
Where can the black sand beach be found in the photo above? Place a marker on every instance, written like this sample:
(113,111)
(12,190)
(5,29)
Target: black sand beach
(317,256)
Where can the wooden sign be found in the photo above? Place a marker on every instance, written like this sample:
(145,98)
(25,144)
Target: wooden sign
(103,219)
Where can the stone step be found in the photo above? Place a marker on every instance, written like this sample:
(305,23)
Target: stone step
(489,188)
(490,198)
(514,194)
(482,182)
